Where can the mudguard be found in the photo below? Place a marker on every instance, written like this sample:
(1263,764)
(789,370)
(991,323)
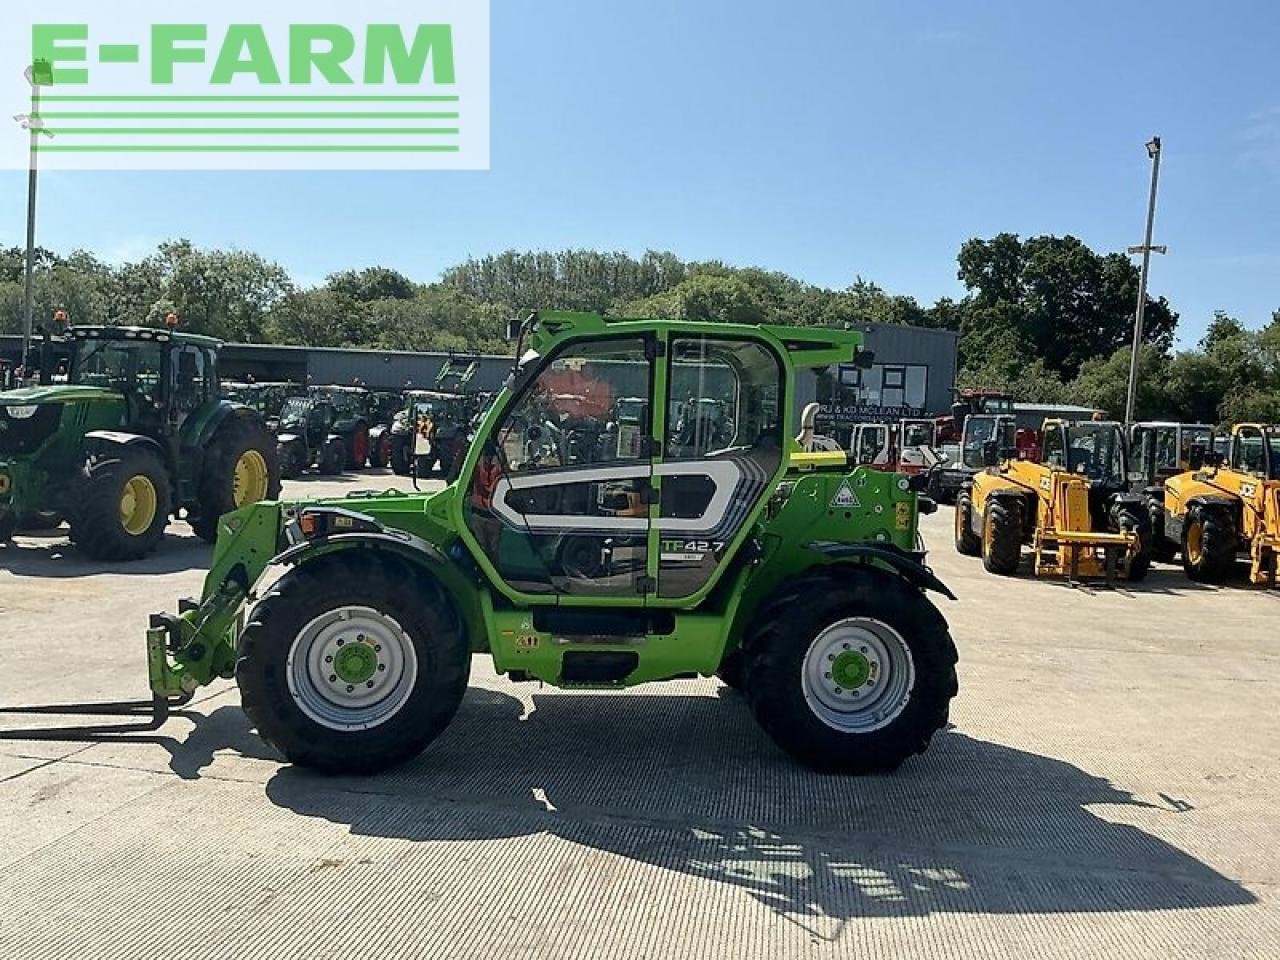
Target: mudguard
(910,566)
(1212,500)
(104,441)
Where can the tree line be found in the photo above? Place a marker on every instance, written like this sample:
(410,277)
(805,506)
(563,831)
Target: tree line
(1045,317)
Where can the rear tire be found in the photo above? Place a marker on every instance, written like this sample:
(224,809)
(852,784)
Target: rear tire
(370,718)
(1002,537)
(241,466)
(358,446)
(332,456)
(379,450)
(122,505)
(900,676)
(400,455)
(968,543)
(1209,545)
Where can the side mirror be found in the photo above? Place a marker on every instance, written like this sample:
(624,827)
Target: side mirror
(990,453)
(514,328)
(864,359)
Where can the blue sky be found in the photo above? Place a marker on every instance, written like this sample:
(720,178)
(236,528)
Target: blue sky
(827,140)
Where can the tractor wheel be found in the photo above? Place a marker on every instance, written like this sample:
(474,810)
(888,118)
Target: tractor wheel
(241,466)
(968,543)
(122,505)
(1162,548)
(399,455)
(1137,520)
(379,451)
(732,672)
(358,447)
(40,520)
(332,456)
(352,663)
(292,456)
(1002,537)
(850,671)
(1209,545)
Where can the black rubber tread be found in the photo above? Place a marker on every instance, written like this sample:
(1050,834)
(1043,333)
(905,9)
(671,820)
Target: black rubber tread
(1162,548)
(332,458)
(1219,543)
(291,456)
(1001,545)
(400,458)
(733,671)
(1138,520)
(215,492)
(788,624)
(968,543)
(7,527)
(95,521)
(369,579)
(378,449)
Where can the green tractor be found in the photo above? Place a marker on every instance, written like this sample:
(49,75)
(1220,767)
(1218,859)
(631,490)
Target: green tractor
(794,576)
(136,435)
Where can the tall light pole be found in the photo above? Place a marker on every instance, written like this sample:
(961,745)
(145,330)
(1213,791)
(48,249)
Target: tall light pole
(39,74)
(1146,249)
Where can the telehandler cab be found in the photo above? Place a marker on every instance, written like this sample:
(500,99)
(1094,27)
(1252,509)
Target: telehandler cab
(1159,450)
(1074,509)
(1226,506)
(586,564)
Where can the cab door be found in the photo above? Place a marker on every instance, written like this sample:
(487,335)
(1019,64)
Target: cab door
(559,500)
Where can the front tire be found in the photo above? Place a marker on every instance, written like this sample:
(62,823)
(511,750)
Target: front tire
(1162,548)
(1209,545)
(850,670)
(400,458)
(122,505)
(241,466)
(1137,520)
(1002,537)
(352,664)
(968,543)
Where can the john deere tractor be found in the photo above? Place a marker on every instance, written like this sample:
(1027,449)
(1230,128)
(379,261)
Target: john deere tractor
(794,576)
(137,434)
(1226,506)
(1074,509)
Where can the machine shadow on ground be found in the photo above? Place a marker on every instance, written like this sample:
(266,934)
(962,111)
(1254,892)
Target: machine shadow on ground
(50,554)
(689,784)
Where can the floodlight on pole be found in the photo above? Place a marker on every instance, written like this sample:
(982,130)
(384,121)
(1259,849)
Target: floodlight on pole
(1146,248)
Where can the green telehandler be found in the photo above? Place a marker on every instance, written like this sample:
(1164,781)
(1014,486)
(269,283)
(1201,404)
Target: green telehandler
(137,433)
(581,562)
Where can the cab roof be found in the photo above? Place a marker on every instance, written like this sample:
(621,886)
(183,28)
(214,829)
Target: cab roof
(805,346)
(134,334)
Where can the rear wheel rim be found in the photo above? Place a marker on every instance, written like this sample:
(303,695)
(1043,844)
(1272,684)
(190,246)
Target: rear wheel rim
(250,479)
(138,502)
(1195,544)
(858,674)
(960,521)
(351,668)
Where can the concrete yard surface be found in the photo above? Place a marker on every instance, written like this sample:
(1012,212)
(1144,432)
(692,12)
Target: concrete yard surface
(1110,788)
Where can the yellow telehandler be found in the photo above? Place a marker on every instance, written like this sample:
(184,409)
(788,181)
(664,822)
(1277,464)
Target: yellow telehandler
(1226,506)
(1073,508)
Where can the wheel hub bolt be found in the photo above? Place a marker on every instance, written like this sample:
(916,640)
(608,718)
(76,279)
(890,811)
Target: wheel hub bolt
(341,641)
(360,637)
(377,648)
(328,659)
(369,684)
(839,691)
(382,666)
(350,688)
(333,678)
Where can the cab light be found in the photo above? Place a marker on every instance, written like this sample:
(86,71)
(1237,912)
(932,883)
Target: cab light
(24,412)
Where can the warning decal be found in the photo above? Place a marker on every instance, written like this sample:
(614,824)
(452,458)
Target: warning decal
(845,497)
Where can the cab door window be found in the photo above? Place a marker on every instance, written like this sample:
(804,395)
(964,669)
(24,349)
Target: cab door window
(723,444)
(559,499)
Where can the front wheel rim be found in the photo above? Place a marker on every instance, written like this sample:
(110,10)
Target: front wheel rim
(1195,544)
(858,675)
(251,478)
(351,668)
